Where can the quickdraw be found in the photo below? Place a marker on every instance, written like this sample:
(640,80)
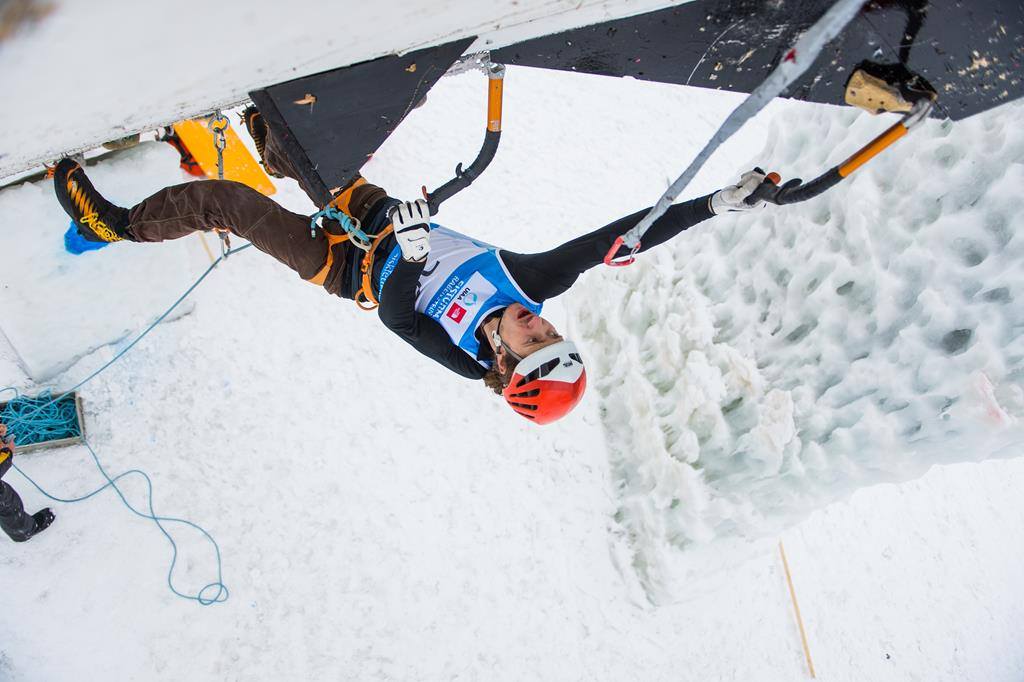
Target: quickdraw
(218,125)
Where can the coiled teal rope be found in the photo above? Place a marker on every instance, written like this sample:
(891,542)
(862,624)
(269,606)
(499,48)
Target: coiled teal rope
(40,419)
(35,420)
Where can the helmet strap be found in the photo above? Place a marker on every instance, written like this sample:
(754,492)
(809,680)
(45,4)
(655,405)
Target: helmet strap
(496,339)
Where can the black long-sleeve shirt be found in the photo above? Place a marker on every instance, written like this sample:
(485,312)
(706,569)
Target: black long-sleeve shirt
(398,313)
(541,276)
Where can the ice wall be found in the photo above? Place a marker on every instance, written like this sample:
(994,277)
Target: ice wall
(769,363)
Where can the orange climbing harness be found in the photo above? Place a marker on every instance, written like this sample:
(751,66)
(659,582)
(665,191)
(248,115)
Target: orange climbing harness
(364,297)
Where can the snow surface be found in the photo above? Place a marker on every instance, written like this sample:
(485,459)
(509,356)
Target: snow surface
(90,301)
(129,66)
(380,519)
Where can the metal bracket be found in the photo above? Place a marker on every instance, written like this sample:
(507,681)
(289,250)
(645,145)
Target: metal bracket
(472,62)
(918,113)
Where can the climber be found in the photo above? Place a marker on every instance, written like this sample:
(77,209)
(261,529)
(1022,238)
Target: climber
(470,306)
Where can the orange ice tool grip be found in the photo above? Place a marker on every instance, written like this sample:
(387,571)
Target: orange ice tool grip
(872,149)
(494,96)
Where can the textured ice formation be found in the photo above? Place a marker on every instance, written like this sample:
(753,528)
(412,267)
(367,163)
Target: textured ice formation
(766,364)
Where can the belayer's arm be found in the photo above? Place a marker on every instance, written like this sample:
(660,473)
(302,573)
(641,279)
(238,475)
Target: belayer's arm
(398,313)
(550,273)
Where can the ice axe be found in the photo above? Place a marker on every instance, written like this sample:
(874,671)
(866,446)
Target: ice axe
(464,177)
(365,297)
(871,87)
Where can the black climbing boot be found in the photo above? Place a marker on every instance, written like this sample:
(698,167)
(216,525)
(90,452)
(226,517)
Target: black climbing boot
(97,219)
(41,521)
(257,128)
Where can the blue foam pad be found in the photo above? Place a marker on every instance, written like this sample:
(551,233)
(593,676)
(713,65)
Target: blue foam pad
(76,244)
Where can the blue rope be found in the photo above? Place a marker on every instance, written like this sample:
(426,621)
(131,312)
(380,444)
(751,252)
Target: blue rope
(201,596)
(53,420)
(351,227)
(150,328)
(31,422)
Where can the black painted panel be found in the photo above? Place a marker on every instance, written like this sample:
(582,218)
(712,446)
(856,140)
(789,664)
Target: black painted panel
(356,108)
(970,50)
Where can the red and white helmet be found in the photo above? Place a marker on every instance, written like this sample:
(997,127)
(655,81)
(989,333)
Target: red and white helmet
(547,383)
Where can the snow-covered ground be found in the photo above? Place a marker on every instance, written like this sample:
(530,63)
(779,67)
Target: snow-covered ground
(373,528)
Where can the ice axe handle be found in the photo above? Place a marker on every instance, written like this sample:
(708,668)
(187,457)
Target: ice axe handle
(794,190)
(465,177)
(766,190)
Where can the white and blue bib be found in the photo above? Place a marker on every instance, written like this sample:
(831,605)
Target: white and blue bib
(463,281)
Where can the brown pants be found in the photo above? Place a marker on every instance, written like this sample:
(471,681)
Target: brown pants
(179,211)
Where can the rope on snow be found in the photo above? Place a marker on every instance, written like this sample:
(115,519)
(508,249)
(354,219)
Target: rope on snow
(41,416)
